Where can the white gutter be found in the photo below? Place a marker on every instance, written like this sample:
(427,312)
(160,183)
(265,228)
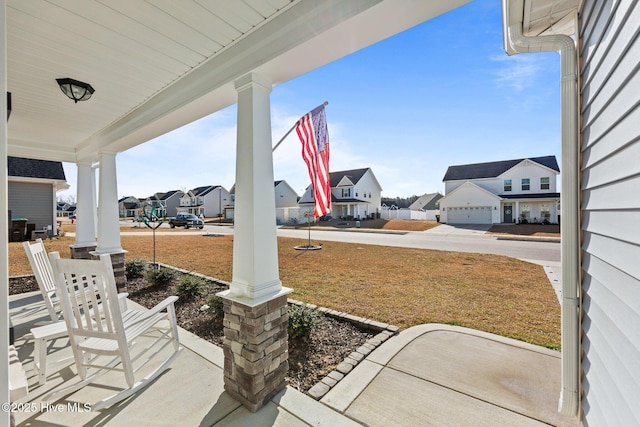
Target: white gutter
(570,220)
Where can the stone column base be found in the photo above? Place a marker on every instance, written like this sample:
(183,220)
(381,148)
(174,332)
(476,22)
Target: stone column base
(255,350)
(82,252)
(118,263)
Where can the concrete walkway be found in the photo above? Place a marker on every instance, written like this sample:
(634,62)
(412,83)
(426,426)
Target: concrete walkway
(450,376)
(427,375)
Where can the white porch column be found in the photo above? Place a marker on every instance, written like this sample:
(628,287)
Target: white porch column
(516,212)
(256,278)
(85,207)
(4,231)
(108,217)
(255,306)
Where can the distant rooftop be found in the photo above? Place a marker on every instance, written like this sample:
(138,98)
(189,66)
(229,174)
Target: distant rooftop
(494,169)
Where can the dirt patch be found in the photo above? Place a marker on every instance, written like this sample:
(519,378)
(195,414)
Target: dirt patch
(309,361)
(379,224)
(539,230)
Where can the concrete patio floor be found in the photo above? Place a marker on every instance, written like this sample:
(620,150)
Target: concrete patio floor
(427,375)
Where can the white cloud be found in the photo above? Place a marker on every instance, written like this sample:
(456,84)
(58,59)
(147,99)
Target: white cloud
(519,71)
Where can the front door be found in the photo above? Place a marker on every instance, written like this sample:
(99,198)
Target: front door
(508,213)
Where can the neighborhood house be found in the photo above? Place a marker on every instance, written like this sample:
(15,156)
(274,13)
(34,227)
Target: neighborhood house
(509,191)
(207,201)
(355,194)
(32,187)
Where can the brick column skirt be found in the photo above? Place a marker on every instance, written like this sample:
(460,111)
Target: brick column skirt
(81,252)
(255,351)
(117,261)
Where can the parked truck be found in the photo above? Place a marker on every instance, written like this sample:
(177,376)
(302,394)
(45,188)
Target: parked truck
(186,220)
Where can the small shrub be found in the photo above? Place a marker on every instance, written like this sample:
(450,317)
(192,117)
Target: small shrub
(216,306)
(190,287)
(302,320)
(135,268)
(161,276)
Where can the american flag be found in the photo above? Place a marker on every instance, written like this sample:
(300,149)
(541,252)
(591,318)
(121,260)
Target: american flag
(313,133)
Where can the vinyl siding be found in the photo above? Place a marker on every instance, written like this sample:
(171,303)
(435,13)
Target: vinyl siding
(33,201)
(610,170)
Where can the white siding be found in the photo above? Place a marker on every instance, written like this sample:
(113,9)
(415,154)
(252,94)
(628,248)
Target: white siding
(530,170)
(610,84)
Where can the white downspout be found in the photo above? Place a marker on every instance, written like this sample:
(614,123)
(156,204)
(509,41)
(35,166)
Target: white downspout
(570,219)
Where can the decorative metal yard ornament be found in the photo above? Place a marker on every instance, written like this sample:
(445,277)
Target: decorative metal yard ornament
(153,220)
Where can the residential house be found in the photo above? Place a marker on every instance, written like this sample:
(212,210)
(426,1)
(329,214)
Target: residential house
(32,188)
(355,194)
(286,200)
(129,207)
(65,209)
(429,204)
(521,190)
(166,204)
(207,201)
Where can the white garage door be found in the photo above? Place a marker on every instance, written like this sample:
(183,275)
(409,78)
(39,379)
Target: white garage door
(469,215)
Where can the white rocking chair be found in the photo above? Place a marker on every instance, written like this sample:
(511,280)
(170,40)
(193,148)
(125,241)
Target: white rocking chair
(42,335)
(41,267)
(83,286)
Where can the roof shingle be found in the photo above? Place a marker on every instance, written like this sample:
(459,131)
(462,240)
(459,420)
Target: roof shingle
(494,169)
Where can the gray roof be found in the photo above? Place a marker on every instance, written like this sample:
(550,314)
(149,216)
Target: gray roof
(354,176)
(33,168)
(165,196)
(427,202)
(203,191)
(494,169)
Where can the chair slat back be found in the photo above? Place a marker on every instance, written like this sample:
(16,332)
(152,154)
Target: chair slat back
(88,295)
(39,261)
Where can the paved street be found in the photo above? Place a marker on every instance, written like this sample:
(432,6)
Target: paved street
(467,242)
(443,237)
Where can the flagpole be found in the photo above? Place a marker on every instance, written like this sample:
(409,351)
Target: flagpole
(291,130)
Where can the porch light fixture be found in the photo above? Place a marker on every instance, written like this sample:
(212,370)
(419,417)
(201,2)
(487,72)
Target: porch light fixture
(76,90)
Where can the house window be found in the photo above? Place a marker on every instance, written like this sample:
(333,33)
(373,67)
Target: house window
(507,185)
(346,192)
(526,184)
(544,183)
(545,213)
(525,212)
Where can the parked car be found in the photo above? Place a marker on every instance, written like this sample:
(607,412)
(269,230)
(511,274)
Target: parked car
(186,220)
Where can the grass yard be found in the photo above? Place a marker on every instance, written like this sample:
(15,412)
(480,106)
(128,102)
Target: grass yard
(400,286)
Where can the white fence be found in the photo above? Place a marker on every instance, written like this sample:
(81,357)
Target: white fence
(408,214)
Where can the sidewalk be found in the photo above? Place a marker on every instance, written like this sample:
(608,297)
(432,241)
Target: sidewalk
(450,376)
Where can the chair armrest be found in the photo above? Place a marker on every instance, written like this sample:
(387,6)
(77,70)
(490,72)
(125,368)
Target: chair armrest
(163,304)
(122,299)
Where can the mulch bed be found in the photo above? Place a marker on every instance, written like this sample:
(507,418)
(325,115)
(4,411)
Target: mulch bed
(309,360)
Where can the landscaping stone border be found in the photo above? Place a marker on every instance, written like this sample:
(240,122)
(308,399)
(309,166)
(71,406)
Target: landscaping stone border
(384,332)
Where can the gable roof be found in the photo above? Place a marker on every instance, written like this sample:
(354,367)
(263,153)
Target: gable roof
(354,175)
(203,191)
(494,169)
(33,168)
(426,202)
(168,194)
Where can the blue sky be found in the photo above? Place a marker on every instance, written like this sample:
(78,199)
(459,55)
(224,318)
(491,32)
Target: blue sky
(442,93)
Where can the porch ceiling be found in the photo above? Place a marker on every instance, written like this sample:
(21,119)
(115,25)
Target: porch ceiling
(157,65)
